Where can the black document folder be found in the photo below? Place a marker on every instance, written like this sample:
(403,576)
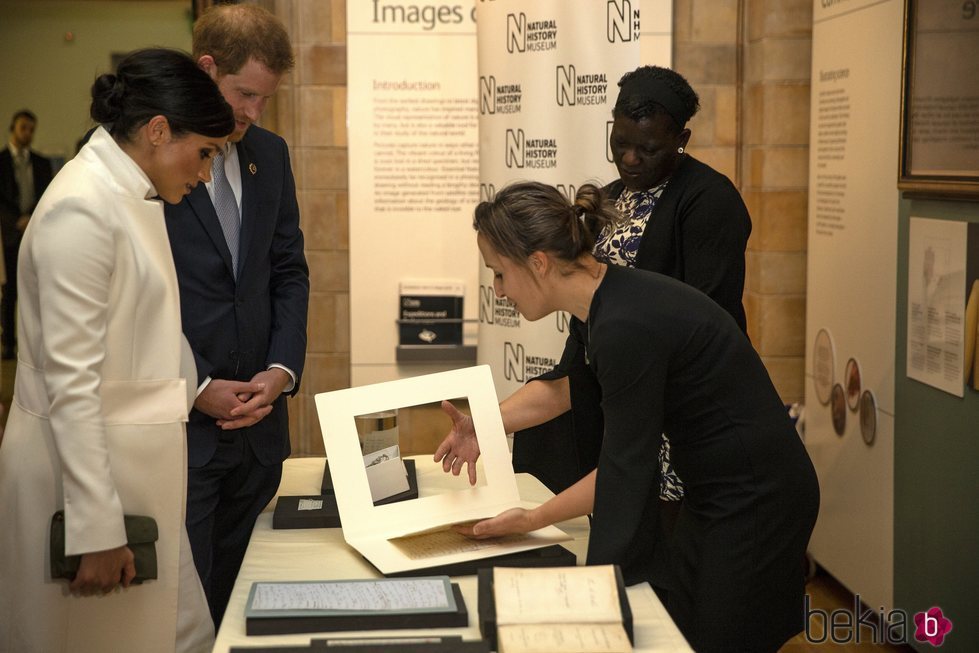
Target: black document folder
(318,511)
(315,623)
(379,645)
(411,644)
(548,556)
(288,514)
(410,493)
(487,606)
(269,649)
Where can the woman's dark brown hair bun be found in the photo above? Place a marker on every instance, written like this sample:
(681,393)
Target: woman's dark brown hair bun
(107,97)
(160,82)
(530,216)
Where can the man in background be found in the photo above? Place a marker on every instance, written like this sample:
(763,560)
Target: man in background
(24,175)
(244,291)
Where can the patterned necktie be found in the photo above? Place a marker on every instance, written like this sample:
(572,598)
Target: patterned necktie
(226,207)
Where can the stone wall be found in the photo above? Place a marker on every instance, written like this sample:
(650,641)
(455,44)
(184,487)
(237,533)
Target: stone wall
(310,113)
(749,60)
(777,43)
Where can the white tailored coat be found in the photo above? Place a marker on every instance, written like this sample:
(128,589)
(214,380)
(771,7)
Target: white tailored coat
(97,425)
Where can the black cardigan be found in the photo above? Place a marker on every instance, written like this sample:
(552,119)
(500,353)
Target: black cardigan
(697,234)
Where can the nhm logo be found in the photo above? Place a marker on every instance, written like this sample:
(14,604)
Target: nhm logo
(515,142)
(608,142)
(623,22)
(561,321)
(486,296)
(566,94)
(568,190)
(513,358)
(487,94)
(487,192)
(516,32)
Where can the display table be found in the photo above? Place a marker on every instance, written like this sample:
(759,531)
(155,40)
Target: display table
(322,554)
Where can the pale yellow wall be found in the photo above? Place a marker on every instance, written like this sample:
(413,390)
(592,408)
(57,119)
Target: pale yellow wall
(51,76)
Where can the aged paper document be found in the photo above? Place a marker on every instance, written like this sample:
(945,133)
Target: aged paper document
(556,595)
(567,609)
(446,542)
(567,638)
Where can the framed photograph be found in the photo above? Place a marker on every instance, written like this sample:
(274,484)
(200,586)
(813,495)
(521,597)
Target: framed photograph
(939,155)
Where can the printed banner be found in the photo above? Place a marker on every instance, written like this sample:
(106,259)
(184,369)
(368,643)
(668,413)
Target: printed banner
(414,162)
(548,73)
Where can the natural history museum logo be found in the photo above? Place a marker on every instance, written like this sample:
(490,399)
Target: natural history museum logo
(533,152)
(498,97)
(487,192)
(623,21)
(608,142)
(519,366)
(530,36)
(568,190)
(499,311)
(561,320)
(574,88)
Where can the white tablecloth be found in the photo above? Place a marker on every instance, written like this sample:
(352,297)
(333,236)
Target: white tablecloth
(322,554)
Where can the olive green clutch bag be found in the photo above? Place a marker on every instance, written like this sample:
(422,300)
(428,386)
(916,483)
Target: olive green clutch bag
(141,536)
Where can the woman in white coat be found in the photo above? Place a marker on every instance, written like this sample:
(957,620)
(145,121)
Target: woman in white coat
(100,400)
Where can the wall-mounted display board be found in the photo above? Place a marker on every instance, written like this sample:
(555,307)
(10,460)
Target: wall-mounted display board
(940,100)
(943,265)
(936,517)
(851,287)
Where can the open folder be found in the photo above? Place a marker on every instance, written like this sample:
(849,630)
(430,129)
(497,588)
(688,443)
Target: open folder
(417,534)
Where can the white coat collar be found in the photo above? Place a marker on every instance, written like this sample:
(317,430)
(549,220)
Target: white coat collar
(127,177)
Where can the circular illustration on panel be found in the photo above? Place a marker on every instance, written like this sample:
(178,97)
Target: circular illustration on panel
(868,417)
(823,363)
(838,409)
(852,379)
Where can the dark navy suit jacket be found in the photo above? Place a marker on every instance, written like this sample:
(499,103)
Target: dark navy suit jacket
(10,193)
(236,328)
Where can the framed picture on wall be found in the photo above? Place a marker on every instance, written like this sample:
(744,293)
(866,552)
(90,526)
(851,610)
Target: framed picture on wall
(940,101)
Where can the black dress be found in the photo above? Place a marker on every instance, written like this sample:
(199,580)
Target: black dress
(670,360)
(696,233)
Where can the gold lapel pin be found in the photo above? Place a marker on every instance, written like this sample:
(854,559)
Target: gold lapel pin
(252,168)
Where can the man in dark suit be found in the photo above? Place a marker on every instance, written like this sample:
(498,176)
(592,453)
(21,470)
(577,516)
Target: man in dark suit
(244,291)
(24,175)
